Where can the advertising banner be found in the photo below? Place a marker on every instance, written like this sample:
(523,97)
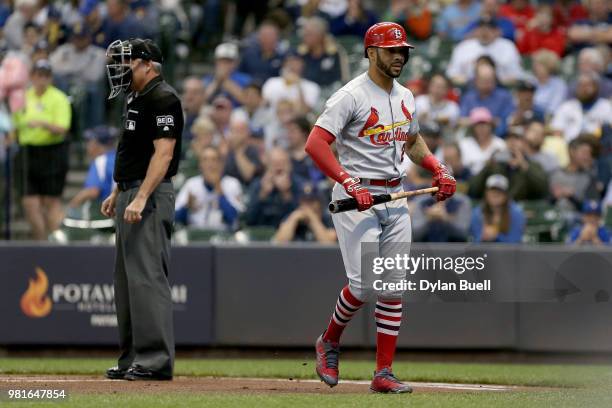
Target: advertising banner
(65,295)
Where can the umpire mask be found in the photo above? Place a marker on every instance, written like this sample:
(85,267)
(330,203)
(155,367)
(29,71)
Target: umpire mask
(118,71)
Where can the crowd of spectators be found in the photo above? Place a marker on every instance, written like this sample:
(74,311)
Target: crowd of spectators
(519,106)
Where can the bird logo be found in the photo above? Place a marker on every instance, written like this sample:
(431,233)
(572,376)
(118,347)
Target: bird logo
(382,135)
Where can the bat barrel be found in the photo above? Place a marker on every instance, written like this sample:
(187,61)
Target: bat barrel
(339,206)
(348,204)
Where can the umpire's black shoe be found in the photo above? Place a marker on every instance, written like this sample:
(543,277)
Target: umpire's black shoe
(138,373)
(115,373)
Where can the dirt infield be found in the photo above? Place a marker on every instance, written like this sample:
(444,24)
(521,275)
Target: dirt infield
(198,385)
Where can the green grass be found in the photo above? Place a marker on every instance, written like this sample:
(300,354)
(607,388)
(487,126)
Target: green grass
(507,374)
(580,386)
(539,399)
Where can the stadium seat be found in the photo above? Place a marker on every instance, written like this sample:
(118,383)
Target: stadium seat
(207,235)
(85,223)
(259,234)
(543,222)
(88,213)
(67,235)
(608,217)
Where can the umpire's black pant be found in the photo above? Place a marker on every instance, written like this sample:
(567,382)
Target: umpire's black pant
(142,291)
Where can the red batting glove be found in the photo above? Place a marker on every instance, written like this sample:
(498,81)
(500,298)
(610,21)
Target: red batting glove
(446,183)
(358,192)
(442,178)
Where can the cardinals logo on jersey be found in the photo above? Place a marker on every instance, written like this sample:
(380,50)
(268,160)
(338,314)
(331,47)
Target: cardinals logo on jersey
(383,135)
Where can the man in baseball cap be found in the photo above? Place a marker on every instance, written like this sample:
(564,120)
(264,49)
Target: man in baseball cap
(101,151)
(227,51)
(80,63)
(390,36)
(497,182)
(590,231)
(372,118)
(226,78)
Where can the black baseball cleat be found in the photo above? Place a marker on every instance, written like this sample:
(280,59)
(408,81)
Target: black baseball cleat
(138,373)
(115,373)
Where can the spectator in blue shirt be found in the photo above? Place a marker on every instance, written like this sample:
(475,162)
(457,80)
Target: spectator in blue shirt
(263,55)
(101,151)
(497,219)
(309,222)
(226,79)
(120,23)
(590,230)
(454,19)
(241,156)
(298,129)
(485,92)
(490,9)
(526,112)
(193,101)
(5,12)
(275,195)
(551,88)
(447,221)
(604,161)
(355,21)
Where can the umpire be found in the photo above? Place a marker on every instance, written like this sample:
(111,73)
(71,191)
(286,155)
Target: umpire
(143,201)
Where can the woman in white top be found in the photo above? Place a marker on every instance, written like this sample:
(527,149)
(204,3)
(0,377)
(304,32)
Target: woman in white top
(480,148)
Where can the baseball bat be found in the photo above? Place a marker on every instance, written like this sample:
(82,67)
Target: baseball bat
(348,204)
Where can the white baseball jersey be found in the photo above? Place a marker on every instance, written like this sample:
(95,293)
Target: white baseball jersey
(371,127)
(207,213)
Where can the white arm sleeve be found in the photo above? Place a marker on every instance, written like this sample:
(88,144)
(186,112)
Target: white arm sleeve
(233,192)
(183,195)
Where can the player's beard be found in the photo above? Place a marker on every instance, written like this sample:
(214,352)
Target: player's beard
(387,69)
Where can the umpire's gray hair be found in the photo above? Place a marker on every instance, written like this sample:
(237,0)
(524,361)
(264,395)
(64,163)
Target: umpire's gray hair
(157,67)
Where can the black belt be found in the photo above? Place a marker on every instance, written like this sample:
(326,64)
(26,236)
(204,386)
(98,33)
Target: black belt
(127,185)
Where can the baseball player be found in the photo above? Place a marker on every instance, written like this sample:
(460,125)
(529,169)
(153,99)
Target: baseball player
(373,122)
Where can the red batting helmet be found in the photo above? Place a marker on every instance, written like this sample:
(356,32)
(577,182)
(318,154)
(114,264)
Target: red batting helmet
(385,35)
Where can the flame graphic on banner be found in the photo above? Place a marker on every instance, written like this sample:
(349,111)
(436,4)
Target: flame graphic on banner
(35,302)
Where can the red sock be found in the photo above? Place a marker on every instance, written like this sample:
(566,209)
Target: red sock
(388,319)
(346,306)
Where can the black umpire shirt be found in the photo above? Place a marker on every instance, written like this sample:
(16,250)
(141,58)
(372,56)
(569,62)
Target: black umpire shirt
(151,114)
